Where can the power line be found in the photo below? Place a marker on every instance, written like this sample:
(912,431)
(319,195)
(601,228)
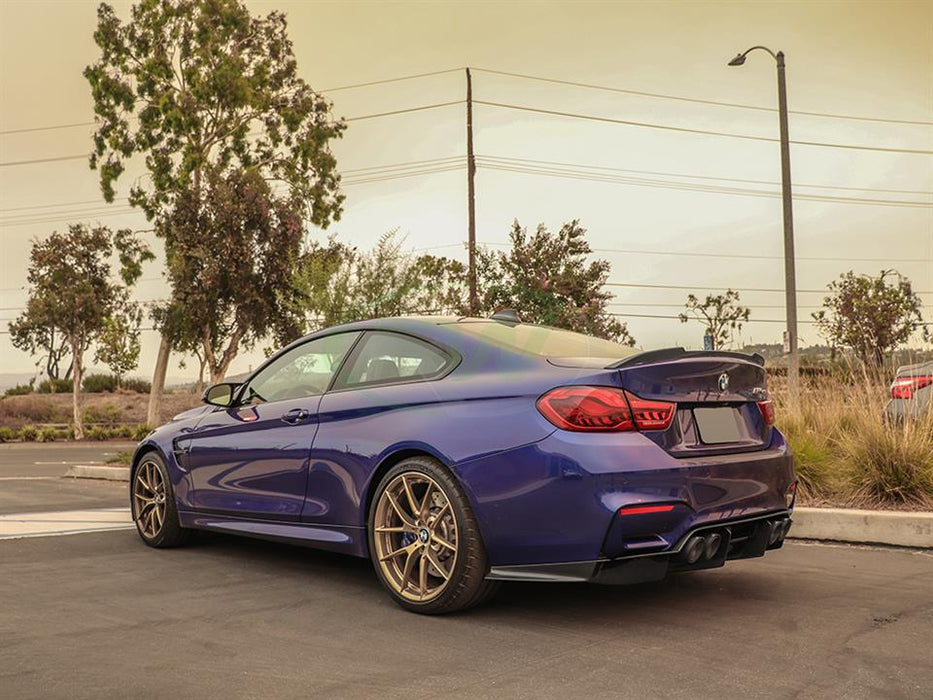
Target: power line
(701,177)
(359,176)
(361,117)
(63,204)
(692,187)
(749,256)
(333,89)
(680,305)
(748,320)
(391,80)
(56,159)
(404,111)
(695,100)
(100,202)
(703,132)
(697,287)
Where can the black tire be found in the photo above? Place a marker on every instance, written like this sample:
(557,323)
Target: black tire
(467,585)
(144,486)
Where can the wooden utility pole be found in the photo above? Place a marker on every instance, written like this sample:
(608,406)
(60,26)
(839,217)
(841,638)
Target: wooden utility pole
(471,196)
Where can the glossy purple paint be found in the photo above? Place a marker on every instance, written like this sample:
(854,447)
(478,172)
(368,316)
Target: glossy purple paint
(541,495)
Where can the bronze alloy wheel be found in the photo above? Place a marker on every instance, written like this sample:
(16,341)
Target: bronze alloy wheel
(415,536)
(149,499)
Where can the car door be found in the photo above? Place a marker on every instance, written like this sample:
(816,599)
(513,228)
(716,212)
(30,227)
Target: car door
(251,459)
(380,396)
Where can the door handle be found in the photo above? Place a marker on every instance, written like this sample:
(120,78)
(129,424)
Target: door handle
(296,416)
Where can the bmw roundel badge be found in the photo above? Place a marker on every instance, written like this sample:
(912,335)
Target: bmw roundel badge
(723,381)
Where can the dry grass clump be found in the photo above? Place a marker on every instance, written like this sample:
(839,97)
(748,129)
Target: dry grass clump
(846,453)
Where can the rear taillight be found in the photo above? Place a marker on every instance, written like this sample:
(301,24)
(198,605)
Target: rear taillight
(650,415)
(767,411)
(603,409)
(904,387)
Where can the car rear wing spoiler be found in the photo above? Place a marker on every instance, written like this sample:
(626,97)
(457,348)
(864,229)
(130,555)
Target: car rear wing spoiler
(668,354)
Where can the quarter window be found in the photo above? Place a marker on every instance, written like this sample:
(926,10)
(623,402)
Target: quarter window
(303,371)
(386,358)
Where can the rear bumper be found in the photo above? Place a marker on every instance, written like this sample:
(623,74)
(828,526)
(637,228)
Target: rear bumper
(558,500)
(735,539)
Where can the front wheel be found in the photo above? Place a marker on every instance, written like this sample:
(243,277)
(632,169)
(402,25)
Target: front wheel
(424,540)
(153,505)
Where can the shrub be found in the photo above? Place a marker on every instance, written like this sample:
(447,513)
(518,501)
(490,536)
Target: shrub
(8,434)
(55,386)
(22,410)
(28,433)
(121,457)
(95,432)
(47,434)
(103,413)
(19,390)
(141,432)
(65,433)
(60,386)
(890,464)
(140,386)
(99,383)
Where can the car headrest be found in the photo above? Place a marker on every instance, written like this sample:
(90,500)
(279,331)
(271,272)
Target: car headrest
(379,370)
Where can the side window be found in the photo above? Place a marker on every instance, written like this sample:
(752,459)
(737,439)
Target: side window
(387,358)
(303,371)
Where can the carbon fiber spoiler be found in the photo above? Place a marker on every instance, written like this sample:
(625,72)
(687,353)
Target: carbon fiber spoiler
(666,354)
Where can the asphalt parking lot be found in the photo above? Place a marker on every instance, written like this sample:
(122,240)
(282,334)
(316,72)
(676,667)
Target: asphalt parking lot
(100,615)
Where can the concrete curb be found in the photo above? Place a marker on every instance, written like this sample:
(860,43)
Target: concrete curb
(901,529)
(86,471)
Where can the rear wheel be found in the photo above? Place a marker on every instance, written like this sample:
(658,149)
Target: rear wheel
(153,505)
(424,540)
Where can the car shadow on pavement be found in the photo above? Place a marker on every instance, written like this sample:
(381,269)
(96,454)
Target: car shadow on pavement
(582,602)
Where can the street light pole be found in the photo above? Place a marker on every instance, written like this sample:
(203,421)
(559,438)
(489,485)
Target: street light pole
(790,275)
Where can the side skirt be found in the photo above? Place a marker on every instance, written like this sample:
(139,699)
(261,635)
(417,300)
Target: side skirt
(335,538)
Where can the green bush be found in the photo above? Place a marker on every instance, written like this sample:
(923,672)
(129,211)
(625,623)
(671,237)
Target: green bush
(47,434)
(99,383)
(890,464)
(65,433)
(103,413)
(61,386)
(140,386)
(8,434)
(123,431)
(19,390)
(141,432)
(95,432)
(28,433)
(121,457)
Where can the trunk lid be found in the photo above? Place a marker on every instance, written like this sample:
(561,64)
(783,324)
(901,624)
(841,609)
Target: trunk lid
(716,394)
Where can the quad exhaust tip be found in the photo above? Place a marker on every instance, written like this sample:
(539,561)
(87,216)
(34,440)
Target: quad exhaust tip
(779,530)
(702,547)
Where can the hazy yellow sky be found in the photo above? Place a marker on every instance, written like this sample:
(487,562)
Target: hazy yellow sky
(870,59)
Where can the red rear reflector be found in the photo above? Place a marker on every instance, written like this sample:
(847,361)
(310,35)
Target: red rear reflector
(767,411)
(603,408)
(904,387)
(643,510)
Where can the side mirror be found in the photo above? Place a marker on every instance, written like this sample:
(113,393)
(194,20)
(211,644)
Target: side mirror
(220,394)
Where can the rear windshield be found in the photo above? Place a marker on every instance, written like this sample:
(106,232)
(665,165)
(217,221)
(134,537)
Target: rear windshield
(545,341)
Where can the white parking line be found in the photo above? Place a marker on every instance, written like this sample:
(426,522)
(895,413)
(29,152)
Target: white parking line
(28,478)
(66,522)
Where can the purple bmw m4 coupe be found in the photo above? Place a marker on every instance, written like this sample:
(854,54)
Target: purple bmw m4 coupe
(457,453)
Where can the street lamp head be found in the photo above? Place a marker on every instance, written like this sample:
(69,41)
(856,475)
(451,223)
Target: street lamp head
(739,60)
